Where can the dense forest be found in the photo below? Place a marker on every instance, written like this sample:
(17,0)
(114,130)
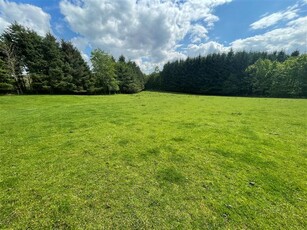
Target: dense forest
(241,74)
(33,64)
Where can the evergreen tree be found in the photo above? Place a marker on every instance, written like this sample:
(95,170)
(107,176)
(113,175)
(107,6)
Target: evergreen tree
(35,64)
(6,82)
(75,69)
(55,80)
(154,80)
(129,76)
(295,53)
(225,74)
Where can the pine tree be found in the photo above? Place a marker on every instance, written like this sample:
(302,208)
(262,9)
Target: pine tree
(53,69)
(6,82)
(75,68)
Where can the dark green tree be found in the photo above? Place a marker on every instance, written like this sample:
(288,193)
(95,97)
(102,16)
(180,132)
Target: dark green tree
(75,69)
(154,80)
(222,74)
(129,76)
(295,53)
(54,80)
(6,81)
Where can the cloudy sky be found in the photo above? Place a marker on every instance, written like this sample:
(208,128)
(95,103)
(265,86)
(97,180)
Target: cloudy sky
(152,32)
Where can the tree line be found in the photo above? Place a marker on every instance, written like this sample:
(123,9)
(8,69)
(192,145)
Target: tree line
(235,73)
(34,64)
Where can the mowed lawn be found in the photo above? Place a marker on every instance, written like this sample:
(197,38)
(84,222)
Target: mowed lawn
(152,161)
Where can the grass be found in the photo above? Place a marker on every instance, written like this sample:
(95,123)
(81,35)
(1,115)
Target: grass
(152,161)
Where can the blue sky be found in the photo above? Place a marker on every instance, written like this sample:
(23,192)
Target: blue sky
(152,32)
(236,17)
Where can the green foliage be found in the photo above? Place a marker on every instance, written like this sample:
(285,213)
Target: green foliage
(75,69)
(280,79)
(40,83)
(255,73)
(104,71)
(129,75)
(152,161)
(295,53)
(262,72)
(6,87)
(6,82)
(112,77)
(154,80)
(30,63)
(54,67)
(11,57)
(35,64)
(220,74)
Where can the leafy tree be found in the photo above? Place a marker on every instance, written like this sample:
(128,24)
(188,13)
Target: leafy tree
(289,79)
(262,76)
(104,71)
(280,79)
(301,75)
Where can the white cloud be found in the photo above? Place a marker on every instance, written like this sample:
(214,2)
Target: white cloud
(80,43)
(148,31)
(274,18)
(289,38)
(205,48)
(198,33)
(3,24)
(27,15)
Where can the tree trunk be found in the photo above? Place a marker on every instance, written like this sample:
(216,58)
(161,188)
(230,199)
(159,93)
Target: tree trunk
(11,59)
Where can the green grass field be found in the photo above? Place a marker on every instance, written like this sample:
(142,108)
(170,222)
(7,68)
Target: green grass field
(152,161)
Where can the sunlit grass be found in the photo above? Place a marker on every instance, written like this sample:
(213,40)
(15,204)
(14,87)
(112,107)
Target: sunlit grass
(152,161)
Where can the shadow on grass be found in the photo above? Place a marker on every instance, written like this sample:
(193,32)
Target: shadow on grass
(170,175)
